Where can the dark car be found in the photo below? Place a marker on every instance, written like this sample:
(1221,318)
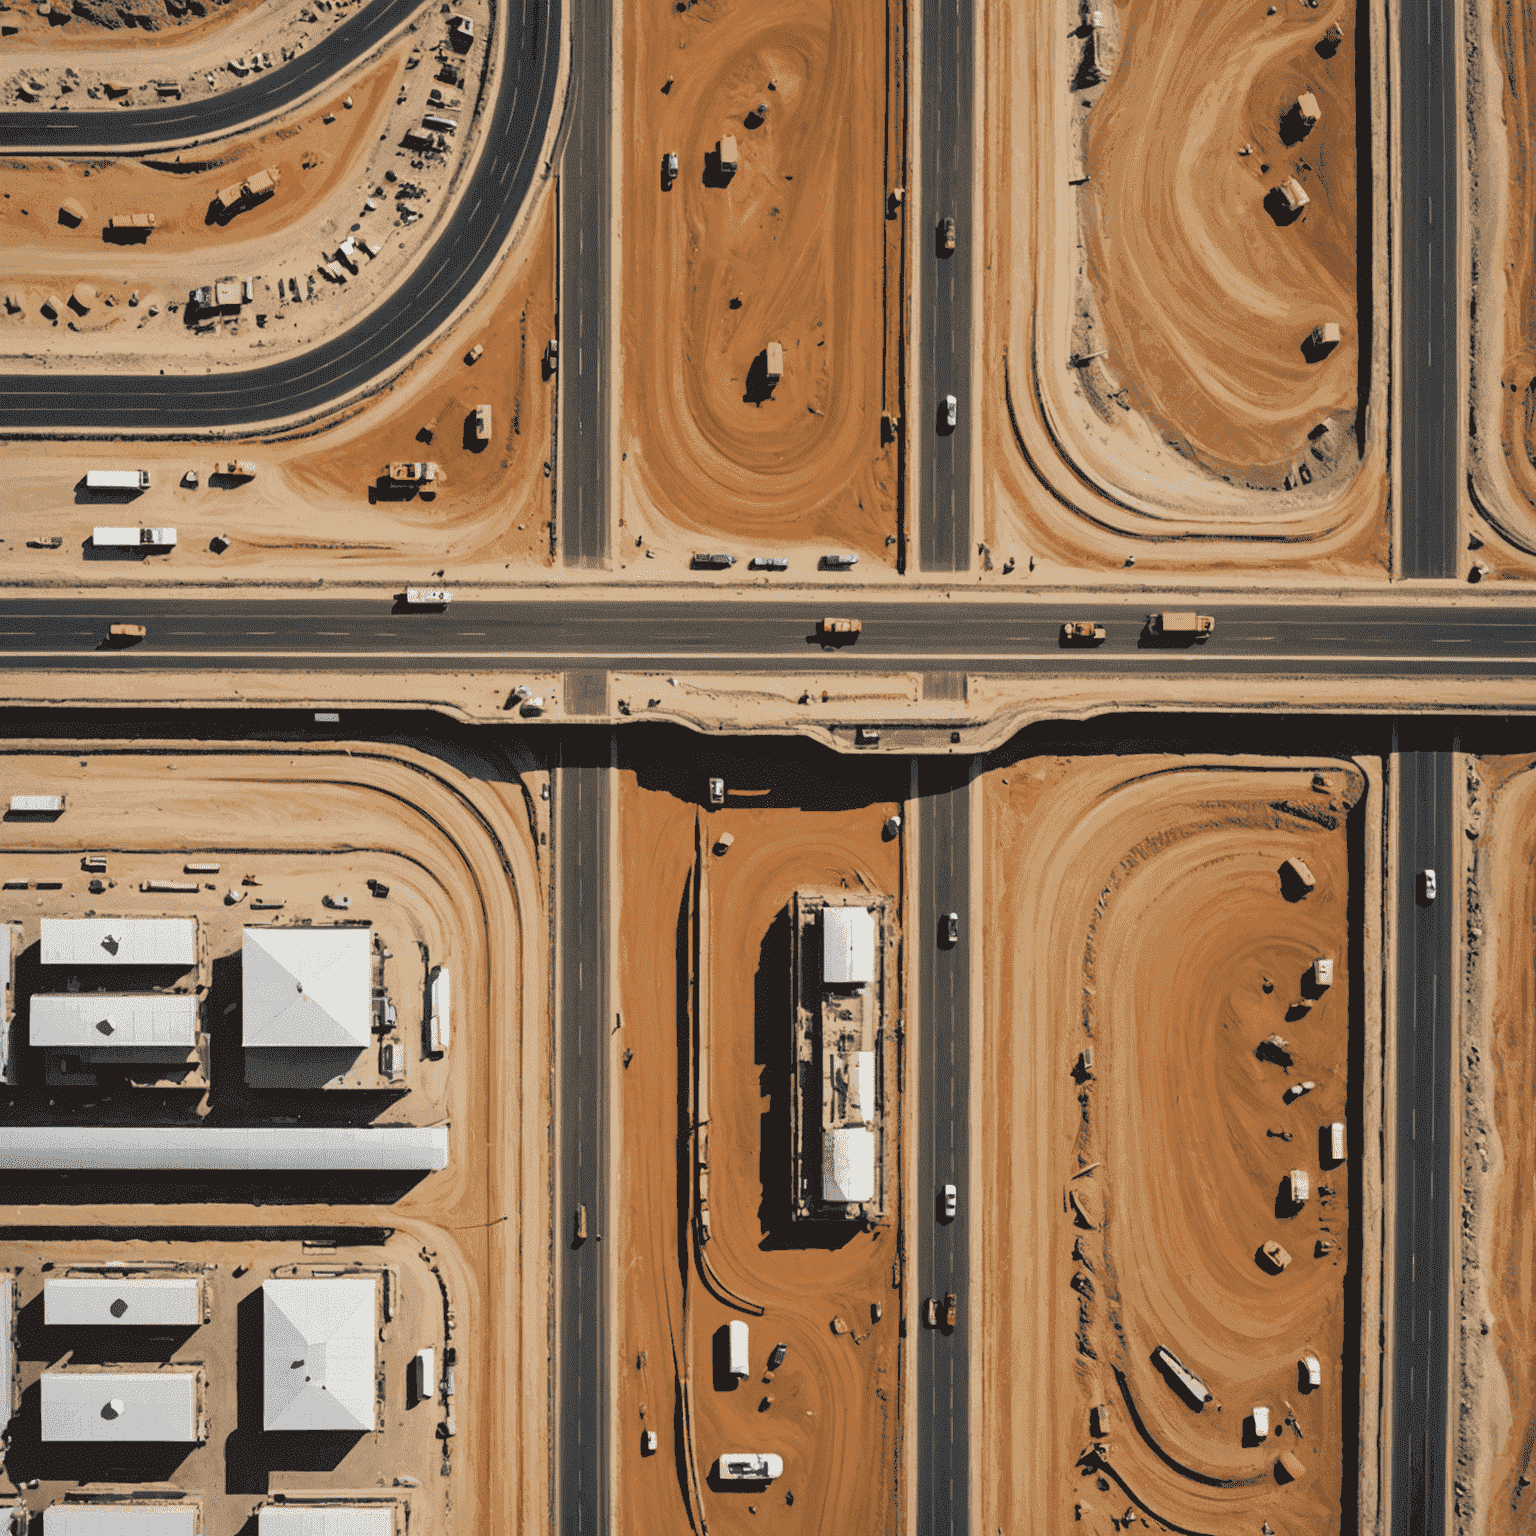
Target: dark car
(951,929)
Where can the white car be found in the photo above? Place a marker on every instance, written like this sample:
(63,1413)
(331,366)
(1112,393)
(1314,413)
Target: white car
(951,410)
(951,1200)
(1427,880)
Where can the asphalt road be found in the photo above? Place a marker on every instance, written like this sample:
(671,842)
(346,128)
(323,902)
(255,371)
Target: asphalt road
(584,242)
(944,347)
(557,633)
(431,293)
(581,1491)
(943,1148)
(177,124)
(1426,1188)
(1431,424)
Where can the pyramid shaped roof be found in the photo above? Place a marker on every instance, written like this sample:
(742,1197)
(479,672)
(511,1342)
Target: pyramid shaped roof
(305,986)
(318,1357)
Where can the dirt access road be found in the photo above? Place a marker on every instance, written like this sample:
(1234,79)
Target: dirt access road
(1136,910)
(791,248)
(832,1411)
(456,841)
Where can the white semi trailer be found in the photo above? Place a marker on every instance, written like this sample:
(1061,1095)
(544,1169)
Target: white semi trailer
(133,538)
(117,479)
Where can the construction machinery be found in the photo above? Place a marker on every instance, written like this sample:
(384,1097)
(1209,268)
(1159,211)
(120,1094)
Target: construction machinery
(413,472)
(1082,632)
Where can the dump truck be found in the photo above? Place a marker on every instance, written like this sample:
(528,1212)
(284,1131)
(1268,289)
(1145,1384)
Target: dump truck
(117,479)
(133,538)
(1275,1257)
(418,472)
(1082,632)
(1293,194)
(253,189)
(1312,1371)
(1196,625)
(832,627)
(236,469)
(1322,972)
(1165,1359)
(482,423)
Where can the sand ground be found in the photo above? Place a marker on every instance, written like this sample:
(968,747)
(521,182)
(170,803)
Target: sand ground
(792,249)
(1186,445)
(833,1414)
(1138,911)
(455,835)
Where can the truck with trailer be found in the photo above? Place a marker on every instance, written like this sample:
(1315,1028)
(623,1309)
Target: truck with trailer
(247,193)
(750,1467)
(1180,625)
(117,479)
(133,538)
(738,1348)
(1081,632)
(1188,1383)
(427,597)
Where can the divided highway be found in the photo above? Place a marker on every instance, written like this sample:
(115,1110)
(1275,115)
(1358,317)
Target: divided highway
(434,290)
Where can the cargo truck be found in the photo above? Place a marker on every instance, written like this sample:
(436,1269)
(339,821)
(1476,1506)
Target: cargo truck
(1187,1381)
(750,1467)
(427,597)
(117,479)
(133,538)
(1194,625)
(1081,632)
(738,1342)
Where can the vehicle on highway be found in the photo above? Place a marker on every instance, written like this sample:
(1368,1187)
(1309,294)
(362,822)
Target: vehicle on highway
(951,1202)
(951,411)
(126,634)
(951,1309)
(1428,884)
(834,631)
(581,1223)
(717,791)
(947,236)
(427,597)
(1180,625)
(951,929)
(704,561)
(931,1312)
(1081,632)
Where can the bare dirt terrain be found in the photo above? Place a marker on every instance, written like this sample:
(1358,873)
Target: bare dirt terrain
(455,838)
(1137,911)
(316,506)
(1124,416)
(789,249)
(832,1410)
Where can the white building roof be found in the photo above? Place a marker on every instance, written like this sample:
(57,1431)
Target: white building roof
(848,1166)
(318,1356)
(119,1405)
(7,1349)
(108,1302)
(120,1519)
(847,946)
(119,940)
(374,1148)
(98,1021)
(323,1520)
(305,986)
(864,1080)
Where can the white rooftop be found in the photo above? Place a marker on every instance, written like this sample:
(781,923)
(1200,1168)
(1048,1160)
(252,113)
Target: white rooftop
(318,1355)
(329,1149)
(98,1021)
(120,1519)
(323,1520)
(107,1302)
(847,946)
(119,1405)
(305,987)
(848,1166)
(119,940)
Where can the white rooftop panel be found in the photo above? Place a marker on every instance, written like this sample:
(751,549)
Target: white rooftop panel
(864,1077)
(305,986)
(111,1303)
(119,940)
(848,1166)
(119,1405)
(328,1149)
(318,1354)
(8,1352)
(120,1520)
(323,1520)
(847,946)
(81,1020)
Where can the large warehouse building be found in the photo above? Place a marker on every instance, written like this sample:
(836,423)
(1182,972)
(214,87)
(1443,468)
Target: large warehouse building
(319,1361)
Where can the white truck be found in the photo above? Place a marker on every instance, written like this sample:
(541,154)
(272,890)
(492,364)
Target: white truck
(1189,1383)
(117,479)
(438,1020)
(427,597)
(739,1364)
(133,538)
(750,1467)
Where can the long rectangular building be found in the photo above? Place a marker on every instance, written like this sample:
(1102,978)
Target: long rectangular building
(107,1302)
(324,1520)
(119,941)
(159,1406)
(112,1519)
(94,1021)
(202,1149)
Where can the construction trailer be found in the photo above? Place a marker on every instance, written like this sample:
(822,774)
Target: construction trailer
(774,358)
(1300,1186)
(424,1368)
(1190,1384)
(728,158)
(37,805)
(738,1341)
(749,1467)
(438,1013)
(1322,972)
(244,194)
(1336,1141)
(482,423)
(133,538)
(842,1057)
(117,479)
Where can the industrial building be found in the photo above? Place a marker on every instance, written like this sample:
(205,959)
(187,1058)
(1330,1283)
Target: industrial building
(103,1517)
(238,1149)
(319,1356)
(121,1406)
(151,1038)
(837,1111)
(107,1301)
(305,987)
(325,1520)
(119,941)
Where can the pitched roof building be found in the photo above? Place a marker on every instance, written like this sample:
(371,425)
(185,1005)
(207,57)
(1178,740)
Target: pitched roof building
(305,987)
(318,1353)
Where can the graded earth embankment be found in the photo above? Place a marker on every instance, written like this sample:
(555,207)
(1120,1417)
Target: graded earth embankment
(455,845)
(788,248)
(1137,912)
(832,1410)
